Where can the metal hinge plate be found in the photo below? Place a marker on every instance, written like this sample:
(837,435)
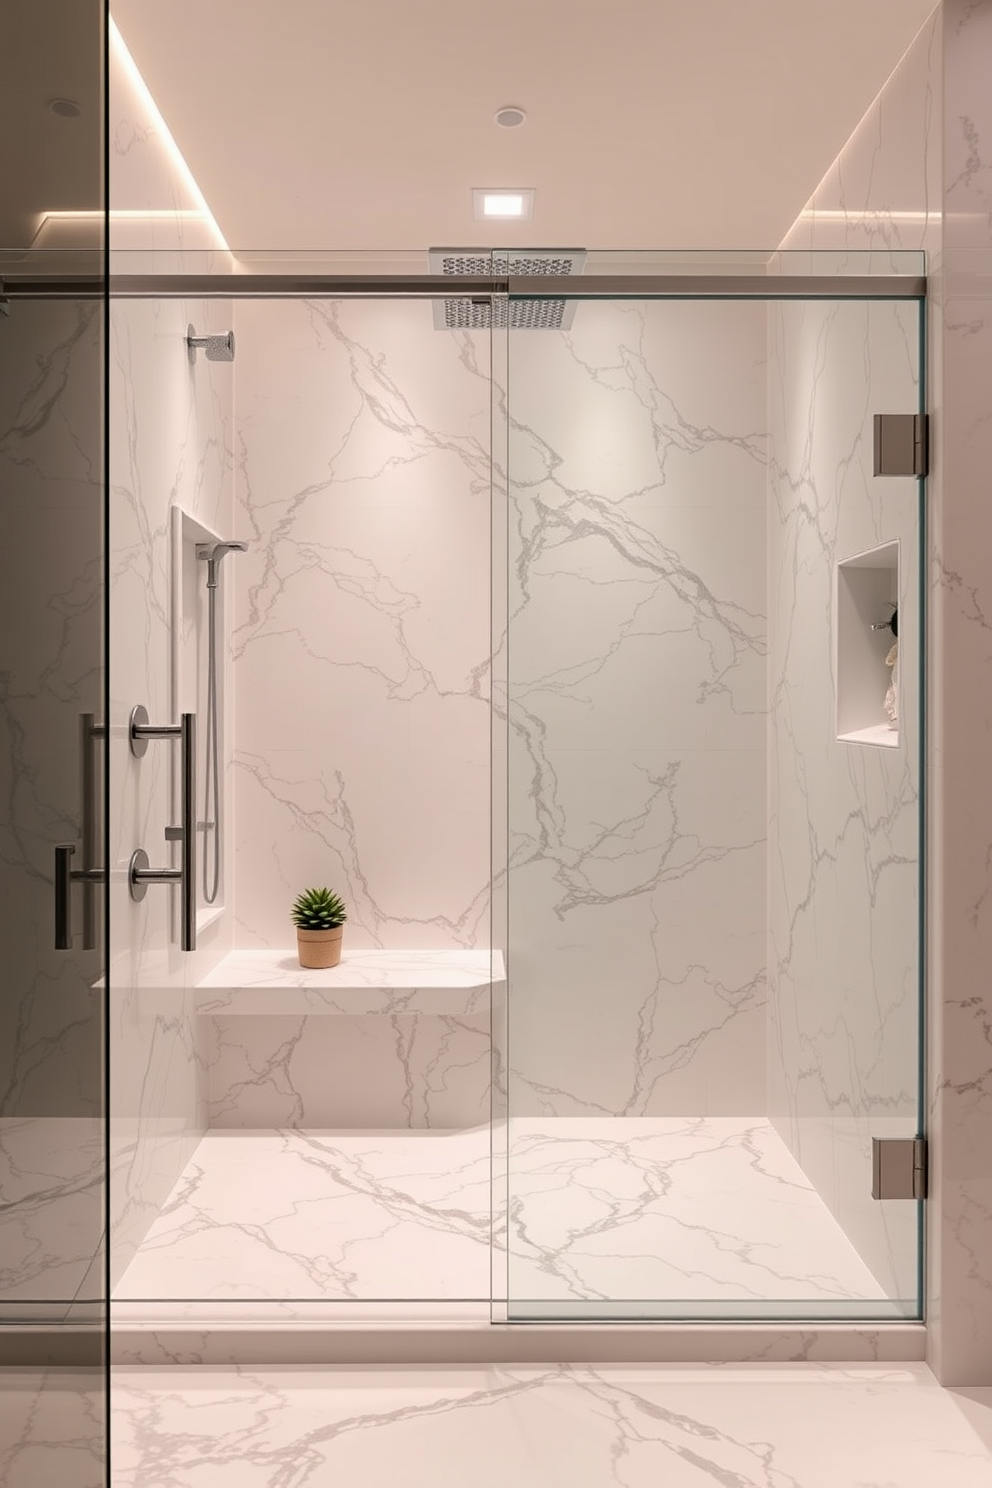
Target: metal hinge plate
(901,444)
(898,1168)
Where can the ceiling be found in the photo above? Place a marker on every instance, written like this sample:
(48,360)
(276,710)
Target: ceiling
(311,124)
(661,123)
(50,49)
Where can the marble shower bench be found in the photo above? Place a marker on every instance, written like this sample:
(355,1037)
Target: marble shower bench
(445,983)
(409,1045)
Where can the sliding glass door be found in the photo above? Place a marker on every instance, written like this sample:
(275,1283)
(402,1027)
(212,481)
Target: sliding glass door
(713,803)
(53,355)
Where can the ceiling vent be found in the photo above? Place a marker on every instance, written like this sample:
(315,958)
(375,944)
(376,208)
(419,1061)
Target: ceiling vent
(465,314)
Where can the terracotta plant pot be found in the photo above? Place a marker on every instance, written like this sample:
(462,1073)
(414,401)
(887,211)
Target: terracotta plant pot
(319,949)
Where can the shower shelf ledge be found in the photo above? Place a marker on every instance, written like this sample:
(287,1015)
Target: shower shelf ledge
(253,983)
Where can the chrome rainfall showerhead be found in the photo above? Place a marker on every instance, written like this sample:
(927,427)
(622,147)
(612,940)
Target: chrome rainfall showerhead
(467,314)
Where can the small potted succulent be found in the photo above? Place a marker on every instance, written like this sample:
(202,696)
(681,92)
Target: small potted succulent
(319,916)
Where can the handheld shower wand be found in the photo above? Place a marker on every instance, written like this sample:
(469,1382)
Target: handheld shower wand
(213,555)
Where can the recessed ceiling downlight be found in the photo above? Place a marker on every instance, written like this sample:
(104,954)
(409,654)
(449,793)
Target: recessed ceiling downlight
(512,204)
(510,117)
(65,108)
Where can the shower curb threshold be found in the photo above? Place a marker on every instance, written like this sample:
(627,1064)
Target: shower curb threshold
(447,1338)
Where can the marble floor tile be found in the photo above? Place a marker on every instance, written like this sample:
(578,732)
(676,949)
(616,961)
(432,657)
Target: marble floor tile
(52,1185)
(310,1214)
(729,1426)
(711,1209)
(708,1208)
(53,1428)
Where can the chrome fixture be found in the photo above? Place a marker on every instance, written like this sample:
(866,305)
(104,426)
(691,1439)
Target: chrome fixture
(212,554)
(140,875)
(89,875)
(217,348)
(485,312)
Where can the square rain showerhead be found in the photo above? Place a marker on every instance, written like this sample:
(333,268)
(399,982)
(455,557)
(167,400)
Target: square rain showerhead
(466,314)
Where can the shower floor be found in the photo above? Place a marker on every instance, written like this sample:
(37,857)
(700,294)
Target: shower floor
(614,1209)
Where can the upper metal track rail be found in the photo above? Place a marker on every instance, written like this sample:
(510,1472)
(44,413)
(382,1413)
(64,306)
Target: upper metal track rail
(432,286)
(73,287)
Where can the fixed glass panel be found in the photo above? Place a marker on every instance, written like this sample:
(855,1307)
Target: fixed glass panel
(290,1141)
(53,1181)
(712,661)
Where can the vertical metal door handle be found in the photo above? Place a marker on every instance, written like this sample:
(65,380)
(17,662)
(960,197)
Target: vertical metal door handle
(140,875)
(89,732)
(65,877)
(63,896)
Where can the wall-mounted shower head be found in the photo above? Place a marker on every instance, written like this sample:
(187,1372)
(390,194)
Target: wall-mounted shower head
(218,348)
(212,555)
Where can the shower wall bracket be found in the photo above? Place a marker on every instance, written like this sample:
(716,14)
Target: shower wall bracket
(140,874)
(218,348)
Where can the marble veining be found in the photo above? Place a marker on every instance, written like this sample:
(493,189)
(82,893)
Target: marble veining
(171,442)
(362,645)
(53,1428)
(52,1186)
(635,685)
(845,830)
(390,1067)
(771,1426)
(304,1214)
(635,1209)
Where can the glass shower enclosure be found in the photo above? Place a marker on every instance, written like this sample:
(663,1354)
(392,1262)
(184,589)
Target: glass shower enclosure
(576,642)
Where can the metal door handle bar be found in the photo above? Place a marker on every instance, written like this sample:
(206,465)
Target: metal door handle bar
(89,732)
(140,875)
(90,874)
(65,877)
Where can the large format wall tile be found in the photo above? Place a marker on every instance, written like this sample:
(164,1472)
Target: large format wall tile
(347,1071)
(844,817)
(363,639)
(960,1231)
(636,687)
(362,689)
(170,443)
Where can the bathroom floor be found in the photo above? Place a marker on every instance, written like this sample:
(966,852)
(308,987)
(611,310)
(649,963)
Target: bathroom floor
(616,1209)
(757,1426)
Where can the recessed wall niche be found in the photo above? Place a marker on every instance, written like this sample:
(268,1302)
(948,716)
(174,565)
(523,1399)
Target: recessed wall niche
(867,596)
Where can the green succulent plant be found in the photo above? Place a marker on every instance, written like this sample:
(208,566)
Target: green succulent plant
(319,909)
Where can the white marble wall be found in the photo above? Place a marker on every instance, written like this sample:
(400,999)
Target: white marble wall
(171,442)
(884,189)
(406,1070)
(917,174)
(636,679)
(844,948)
(362,688)
(844,817)
(960,1230)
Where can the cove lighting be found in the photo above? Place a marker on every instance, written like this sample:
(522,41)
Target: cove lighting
(515,205)
(162,130)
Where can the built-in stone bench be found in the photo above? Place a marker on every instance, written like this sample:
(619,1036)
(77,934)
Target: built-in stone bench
(447,983)
(409,1046)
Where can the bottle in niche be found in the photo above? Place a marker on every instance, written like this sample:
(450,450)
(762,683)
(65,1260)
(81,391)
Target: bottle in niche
(891,702)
